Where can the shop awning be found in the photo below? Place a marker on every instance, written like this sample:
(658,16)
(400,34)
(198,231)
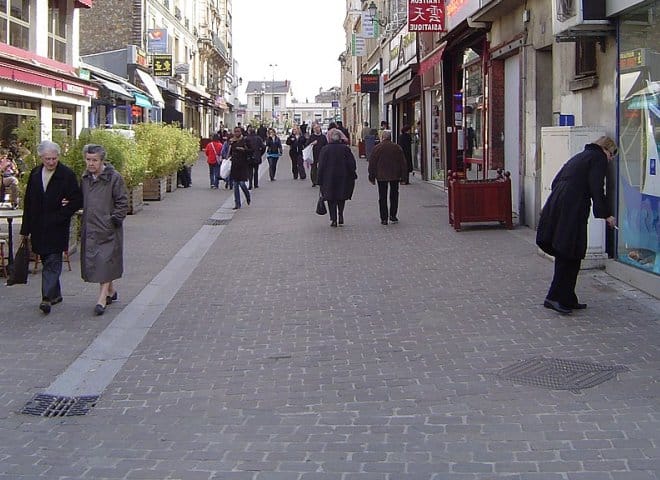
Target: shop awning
(35,77)
(151,87)
(627,82)
(142,100)
(492,10)
(83,3)
(432,60)
(197,91)
(115,87)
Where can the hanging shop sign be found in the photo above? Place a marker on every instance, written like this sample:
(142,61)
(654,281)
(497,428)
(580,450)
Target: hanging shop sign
(162,65)
(157,40)
(426,16)
(358,46)
(369,83)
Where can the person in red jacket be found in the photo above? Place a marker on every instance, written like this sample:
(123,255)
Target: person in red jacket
(213,158)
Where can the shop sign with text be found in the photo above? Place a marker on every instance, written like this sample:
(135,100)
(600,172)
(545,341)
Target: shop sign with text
(162,65)
(426,16)
(369,83)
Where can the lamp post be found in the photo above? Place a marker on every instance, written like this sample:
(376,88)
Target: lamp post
(262,107)
(272,95)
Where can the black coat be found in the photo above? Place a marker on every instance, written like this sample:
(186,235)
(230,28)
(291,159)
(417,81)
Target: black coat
(321,141)
(257,148)
(405,142)
(562,229)
(296,145)
(239,152)
(337,172)
(44,218)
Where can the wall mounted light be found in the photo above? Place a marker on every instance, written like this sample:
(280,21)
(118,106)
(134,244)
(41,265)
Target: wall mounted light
(373,13)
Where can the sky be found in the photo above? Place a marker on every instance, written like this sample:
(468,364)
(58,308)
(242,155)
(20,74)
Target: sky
(304,39)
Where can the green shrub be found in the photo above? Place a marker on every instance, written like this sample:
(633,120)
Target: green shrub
(158,143)
(187,148)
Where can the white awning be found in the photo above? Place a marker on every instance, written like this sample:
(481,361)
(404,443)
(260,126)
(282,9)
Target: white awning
(151,87)
(626,83)
(115,87)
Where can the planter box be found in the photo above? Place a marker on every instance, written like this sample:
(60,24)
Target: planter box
(135,199)
(171,182)
(154,188)
(480,200)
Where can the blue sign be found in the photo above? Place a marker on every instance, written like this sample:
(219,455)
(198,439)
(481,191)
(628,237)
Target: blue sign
(652,166)
(157,40)
(335,104)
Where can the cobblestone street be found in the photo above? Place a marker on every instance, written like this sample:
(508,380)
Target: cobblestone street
(283,349)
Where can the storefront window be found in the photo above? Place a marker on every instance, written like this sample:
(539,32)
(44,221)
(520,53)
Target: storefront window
(15,23)
(63,124)
(438,163)
(12,113)
(473,104)
(639,130)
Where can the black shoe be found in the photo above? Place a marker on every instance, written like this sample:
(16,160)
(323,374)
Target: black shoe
(577,306)
(383,222)
(333,224)
(235,207)
(99,309)
(556,306)
(341,220)
(248,199)
(56,300)
(45,307)
(256,186)
(109,299)
(394,220)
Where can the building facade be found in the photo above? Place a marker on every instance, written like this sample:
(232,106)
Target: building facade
(39,72)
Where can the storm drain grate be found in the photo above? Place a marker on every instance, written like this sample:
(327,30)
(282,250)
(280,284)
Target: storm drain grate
(43,405)
(559,374)
(214,222)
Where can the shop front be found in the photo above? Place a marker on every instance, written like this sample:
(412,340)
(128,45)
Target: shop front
(638,237)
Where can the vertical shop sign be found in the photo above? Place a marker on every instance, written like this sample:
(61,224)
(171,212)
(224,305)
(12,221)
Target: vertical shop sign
(426,16)
(358,46)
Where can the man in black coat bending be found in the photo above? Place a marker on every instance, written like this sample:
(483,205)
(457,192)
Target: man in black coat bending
(562,230)
(52,197)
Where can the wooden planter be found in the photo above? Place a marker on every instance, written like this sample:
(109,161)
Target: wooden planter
(480,200)
(154,188)
(171,182)
(135,199)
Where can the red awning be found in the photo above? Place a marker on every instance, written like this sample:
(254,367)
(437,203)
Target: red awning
(27,56)
(431,61)
(34,77)
(83,3)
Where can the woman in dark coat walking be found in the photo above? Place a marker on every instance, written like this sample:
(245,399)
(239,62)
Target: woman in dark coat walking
(562,230)
(336,175)
(239,151)
(105,205)
(319,141)
(296,143)
(405,142)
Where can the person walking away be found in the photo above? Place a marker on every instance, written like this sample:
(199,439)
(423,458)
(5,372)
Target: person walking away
(213,158)
(319,141)
(405,142)
(9,172)
(224,153)
(273,152)
(296,143)
(52,197)
(344,130)
(336,175)
(257,148)
(105,206)
(562,229)
(387,166)
(240,169)
(362,145)
(262,131)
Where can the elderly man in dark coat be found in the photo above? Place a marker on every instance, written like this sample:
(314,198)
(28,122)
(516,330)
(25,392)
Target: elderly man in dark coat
(562,230)
(239,151)
(387,165)
(105,205)
(52,197)
(336,175)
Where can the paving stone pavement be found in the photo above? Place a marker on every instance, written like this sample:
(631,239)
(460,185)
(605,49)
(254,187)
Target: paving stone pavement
(366,352)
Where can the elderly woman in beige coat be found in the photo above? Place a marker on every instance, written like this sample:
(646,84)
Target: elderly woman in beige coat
(105,205)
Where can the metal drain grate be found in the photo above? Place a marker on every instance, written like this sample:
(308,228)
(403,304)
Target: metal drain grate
(56,406)
(215,222)
(559,374)
(435,205)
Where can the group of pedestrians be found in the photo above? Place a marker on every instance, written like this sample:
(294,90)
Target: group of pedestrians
(53,195)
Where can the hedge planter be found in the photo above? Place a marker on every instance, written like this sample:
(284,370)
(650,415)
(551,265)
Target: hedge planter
(171,182)
(135,199)
(154,188)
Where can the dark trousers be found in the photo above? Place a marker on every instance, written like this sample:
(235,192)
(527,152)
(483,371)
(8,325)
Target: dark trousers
(50,276)
(184,177)
(297,166)
(562,288)
(314,172)
(382,199)
(253,178)
(334,207)
(272,167)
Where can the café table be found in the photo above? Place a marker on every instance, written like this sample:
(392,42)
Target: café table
(10,215)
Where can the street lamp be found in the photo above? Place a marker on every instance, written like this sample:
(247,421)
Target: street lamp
(272,99)
(373,12)
(263,107)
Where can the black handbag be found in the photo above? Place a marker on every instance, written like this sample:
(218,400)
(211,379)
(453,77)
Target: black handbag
(320,206)
(18,273)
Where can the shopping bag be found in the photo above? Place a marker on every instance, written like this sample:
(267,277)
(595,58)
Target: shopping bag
(308,153)
(19,270)
(320,206)
(225,168)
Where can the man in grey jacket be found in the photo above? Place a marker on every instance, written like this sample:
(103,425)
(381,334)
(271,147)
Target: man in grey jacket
(387,166)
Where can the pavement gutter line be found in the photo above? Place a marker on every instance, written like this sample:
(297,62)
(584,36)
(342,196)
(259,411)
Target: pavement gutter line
(97,366)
